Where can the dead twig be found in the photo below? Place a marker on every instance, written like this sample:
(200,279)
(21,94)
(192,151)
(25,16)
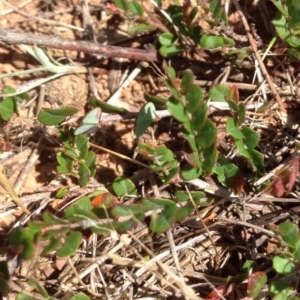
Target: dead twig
(16,38)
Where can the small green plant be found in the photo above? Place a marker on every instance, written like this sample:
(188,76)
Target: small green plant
(287,24)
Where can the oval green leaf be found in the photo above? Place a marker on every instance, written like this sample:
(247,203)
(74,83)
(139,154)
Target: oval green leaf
(51,117)
(233,130)
(144,119)
(124,186)
(70,245)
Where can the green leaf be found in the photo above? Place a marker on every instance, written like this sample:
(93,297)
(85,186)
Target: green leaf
(90,161)
(296,250)
(38,287)
(84,175)
(53,244)
(124,186)
(82,206)
(128,210)
(183,196)
(279,286)
(178,112)
(122,4)
(186,83)
(257,159)
(92,117)
(193,13)
(241,149)
(135,8)
(171,73)
(166,39)
(105,107)
(289,232)
(144,119)
(24,238)
(232,105)
(81,296)
(207,135)
(163,221)
(62,192)
(189,173)
(251,137)
(50,117)
(232,130)
(7,108)
(211,41)
(210,156)
(135,28)
(84,128)
(283,265)
(194,98)
(82,145)
(241,114)
(199,118)
(156,100)
(218,93)
(256,282)
(70,245)
(172,50)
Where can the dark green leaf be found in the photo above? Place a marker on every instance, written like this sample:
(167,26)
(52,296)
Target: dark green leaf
(105,107)
(199,117)
(70,245)
(124,186)
(241,149)
(183,196)
(257,159)
(232,105)
(122,4)
(50,117)
(210,156)
(194,98)
(251,137)
(135,8)
(24,238)
(80,209)
(163,221)
(186,83)
(241,114)
(90,162)
(128,210)
(82,145)
(84,175)
(144,119)
(207,135)
(53,244)
(155,99)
